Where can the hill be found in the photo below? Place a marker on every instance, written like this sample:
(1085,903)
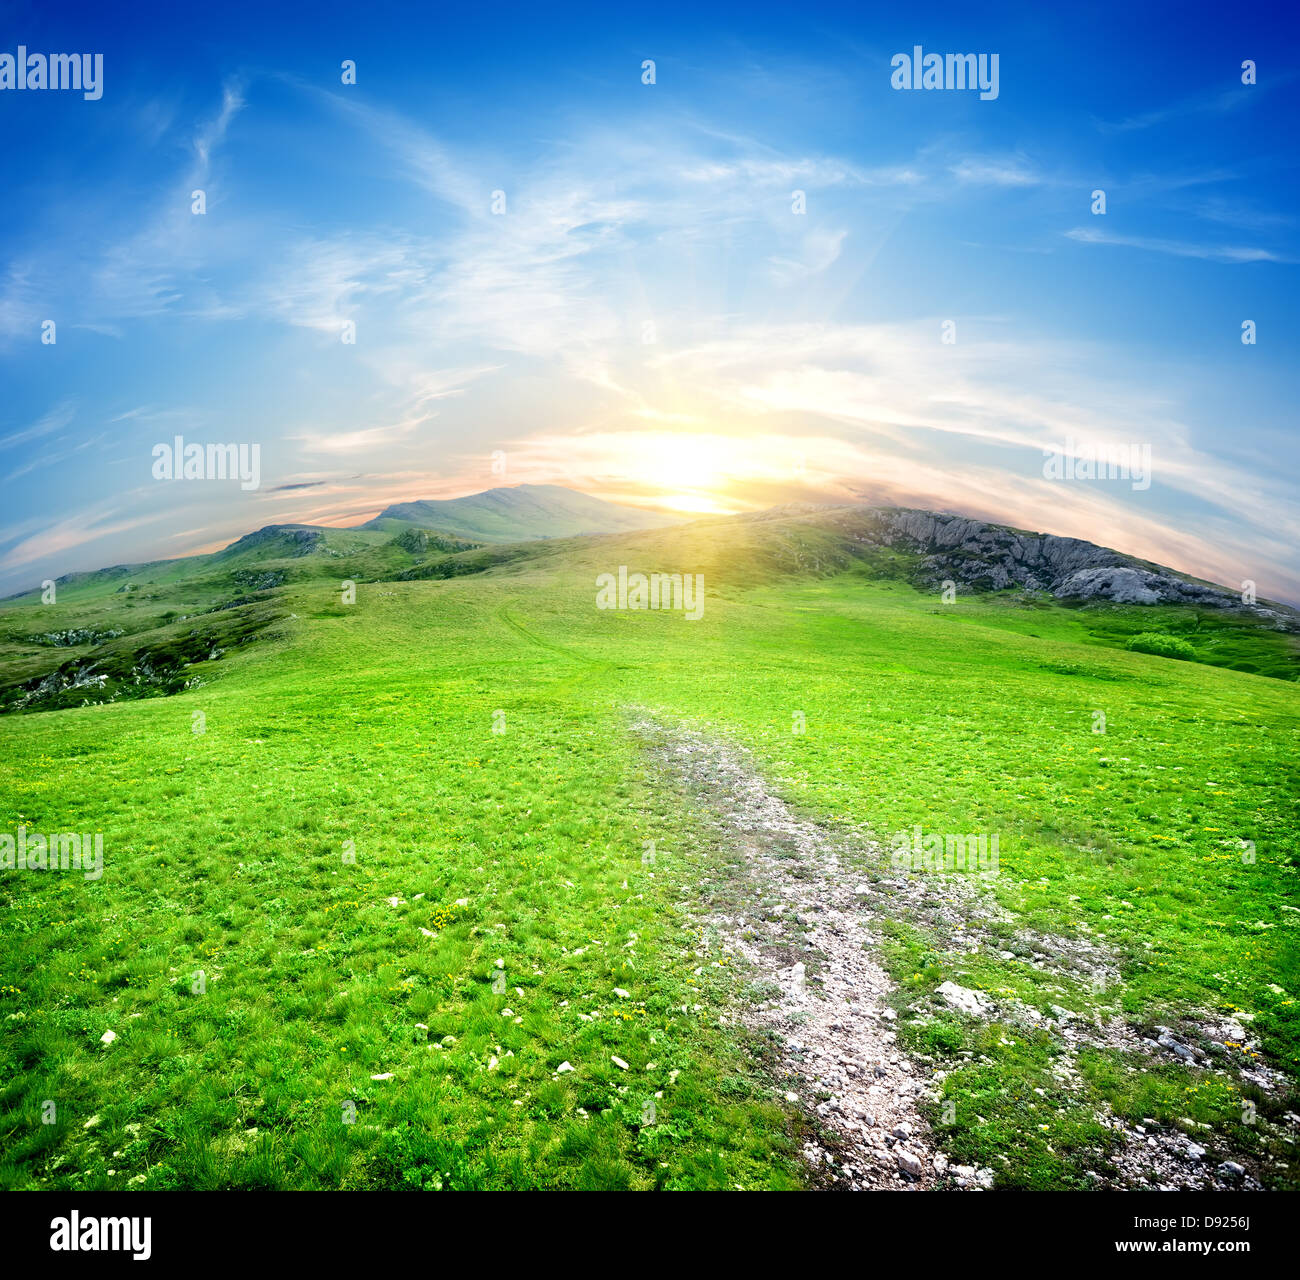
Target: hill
(138,630)
(518,513)
(525,882)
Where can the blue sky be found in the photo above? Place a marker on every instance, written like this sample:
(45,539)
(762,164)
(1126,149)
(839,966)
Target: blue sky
(649,320)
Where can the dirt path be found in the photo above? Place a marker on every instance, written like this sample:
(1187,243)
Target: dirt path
(803,922)
(798,918)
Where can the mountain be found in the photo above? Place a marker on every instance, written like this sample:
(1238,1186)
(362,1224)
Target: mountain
(457,536)
(518,513)
(140,630)
(522,513)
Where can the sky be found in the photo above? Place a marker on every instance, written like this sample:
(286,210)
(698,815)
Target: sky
(766,276)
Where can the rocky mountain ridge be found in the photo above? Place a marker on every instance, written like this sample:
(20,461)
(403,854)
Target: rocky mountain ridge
(989,557)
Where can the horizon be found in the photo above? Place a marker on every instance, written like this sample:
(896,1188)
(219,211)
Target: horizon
(684,517)
(724,287)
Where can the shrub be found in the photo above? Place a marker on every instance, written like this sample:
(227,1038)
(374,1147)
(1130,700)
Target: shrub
(1164,646)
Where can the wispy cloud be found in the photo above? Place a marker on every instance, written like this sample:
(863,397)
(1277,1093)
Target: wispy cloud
(55,420)
(1217,103)
(1178,248)
(1009,171)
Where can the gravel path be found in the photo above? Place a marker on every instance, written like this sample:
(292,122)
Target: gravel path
(798,919)
(802,921)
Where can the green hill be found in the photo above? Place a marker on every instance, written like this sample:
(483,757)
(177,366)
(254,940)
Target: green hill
(408,859)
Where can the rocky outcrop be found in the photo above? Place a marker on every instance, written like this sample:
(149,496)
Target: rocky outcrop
(990,557)
(283,539)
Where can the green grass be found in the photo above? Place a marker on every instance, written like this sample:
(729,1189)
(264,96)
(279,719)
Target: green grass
(373,723)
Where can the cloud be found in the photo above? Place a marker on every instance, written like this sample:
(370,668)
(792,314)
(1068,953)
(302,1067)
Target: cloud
(213,133)
(1241,214)
(1219,103)
(424,390)
(50,546)
(1179,248)
(1014,171)
(55,420)
(819,251)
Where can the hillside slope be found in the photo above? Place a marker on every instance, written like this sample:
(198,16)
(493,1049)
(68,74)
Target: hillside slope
(517,513)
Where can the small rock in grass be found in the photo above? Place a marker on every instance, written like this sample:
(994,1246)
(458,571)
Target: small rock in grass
(563,1067)
(387,1075)
(618,1062)
(108,1037)
(975,1003)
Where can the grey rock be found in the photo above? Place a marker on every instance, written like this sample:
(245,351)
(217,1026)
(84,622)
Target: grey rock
(975,1003)
(985,557)
(909,1165)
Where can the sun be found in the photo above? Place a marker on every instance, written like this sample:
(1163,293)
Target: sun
(684,461)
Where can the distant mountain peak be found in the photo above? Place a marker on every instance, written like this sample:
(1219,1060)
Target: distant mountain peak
(518,513)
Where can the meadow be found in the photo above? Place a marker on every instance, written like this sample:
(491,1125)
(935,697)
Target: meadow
(379,875)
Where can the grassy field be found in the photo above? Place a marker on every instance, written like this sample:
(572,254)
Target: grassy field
(409,842)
